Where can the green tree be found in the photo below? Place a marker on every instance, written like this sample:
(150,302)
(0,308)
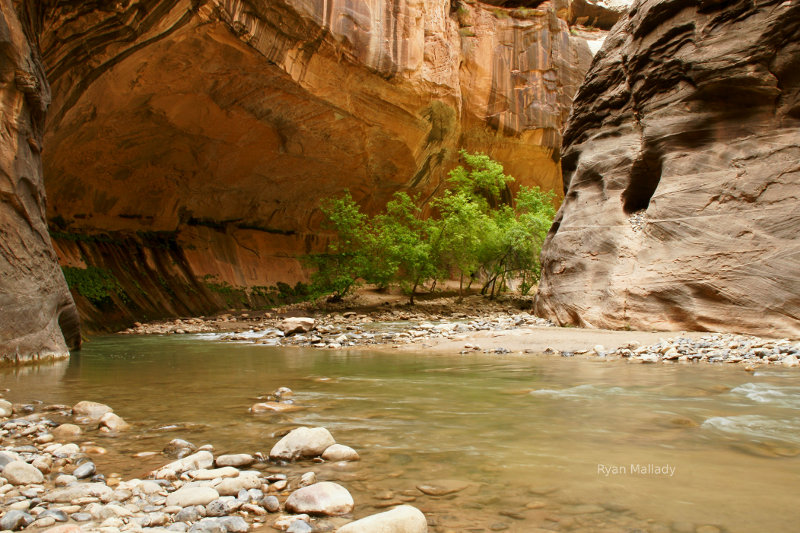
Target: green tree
(346,259)
(477,227)
(406,239)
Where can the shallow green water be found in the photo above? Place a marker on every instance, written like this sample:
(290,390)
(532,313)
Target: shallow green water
(530,433)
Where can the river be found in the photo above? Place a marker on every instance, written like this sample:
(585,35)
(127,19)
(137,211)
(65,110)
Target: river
(538,441)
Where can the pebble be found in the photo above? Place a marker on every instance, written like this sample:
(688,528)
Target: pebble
(85,470)
(188,496)
(236,460)
(14,520)
(271,504)
(713,348)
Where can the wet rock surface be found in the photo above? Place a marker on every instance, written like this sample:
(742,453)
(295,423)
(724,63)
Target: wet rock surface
(187,494)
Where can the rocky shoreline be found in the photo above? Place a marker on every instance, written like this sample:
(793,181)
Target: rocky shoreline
(50,483)
(498,330)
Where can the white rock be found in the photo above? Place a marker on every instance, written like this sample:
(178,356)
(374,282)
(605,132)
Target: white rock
(192,495)
(216,473)
(309,478)
(402,519)
(237,460)
(296,325)
(67,431)
(325,498)
(232,485)
(77,491)
(302,442)
(790,360)
(599,349)
(6,408)
(113,422)
(91,410)
(21,473)
(340,452)
(197,461)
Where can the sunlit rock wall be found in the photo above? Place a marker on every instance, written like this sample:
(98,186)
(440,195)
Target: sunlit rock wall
(218,126)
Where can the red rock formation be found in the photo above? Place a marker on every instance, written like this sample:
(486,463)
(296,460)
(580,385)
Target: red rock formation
(224,123)
(35,304)
(681,170)
(188,142)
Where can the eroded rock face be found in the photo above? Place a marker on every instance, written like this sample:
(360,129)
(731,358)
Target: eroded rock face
(681,167)
(38,319)
(218,126)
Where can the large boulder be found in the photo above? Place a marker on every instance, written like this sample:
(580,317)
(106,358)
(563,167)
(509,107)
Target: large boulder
(681,175)
(302,442)
(402,519)
(324,498)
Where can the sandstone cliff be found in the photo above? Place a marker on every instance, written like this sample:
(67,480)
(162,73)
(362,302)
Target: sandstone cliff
(682,171)
(188,143)
(35,304)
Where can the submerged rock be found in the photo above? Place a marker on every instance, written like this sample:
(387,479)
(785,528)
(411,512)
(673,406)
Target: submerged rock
(340,452)
(402,519)
(92,411)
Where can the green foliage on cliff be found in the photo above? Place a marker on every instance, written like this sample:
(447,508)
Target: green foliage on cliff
(478,230)
(95,284)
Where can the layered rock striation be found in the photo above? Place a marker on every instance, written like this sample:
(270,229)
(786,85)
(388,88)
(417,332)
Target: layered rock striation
(681,173)
(38,319)
(218,127)
(188,142)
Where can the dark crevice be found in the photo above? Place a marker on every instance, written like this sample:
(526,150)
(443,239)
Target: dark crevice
(644,178)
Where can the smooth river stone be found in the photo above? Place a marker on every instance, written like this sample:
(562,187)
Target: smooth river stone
(442,487)
(237,460)
(79,490)
(325,498)
(14,520)
(232,485)
(6,408)
(197,461)
(402,519)
(274,407)
(85,470)
(302,442)
(113,422)
(207,475)
(188,496)
(340,452)
(66,431)
(21,473)
(90,410)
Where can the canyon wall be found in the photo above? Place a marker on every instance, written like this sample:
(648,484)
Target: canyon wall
(681,172)
(35,304)
(188,142)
